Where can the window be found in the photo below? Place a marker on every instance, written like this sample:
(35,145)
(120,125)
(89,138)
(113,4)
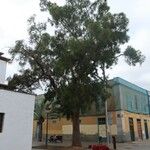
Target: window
(136,102)
(1,121)
(101,121)
(54,121)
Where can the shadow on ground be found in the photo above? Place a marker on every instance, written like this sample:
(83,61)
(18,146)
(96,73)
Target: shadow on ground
(57,148)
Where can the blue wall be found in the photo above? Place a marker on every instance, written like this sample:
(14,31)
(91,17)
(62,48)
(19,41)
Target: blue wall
(129,97)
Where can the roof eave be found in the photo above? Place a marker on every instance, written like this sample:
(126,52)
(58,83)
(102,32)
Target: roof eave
(4,58)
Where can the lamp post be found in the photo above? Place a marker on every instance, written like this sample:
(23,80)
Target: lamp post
(106,116)
(98,130)
(46,139)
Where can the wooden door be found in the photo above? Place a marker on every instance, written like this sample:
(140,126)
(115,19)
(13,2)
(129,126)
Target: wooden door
(139,128)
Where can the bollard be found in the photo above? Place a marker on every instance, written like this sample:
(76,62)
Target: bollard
(114,142)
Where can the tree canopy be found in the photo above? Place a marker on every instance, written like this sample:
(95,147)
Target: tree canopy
(72,63)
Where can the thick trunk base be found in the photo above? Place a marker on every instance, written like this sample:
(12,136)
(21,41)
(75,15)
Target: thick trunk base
(40,126)
(76,139)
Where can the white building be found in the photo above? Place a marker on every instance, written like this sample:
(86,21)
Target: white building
(16,115)
(3,63)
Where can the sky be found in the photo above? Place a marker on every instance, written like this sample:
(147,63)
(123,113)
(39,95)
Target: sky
(13,26)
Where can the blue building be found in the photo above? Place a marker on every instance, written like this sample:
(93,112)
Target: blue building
(130,105)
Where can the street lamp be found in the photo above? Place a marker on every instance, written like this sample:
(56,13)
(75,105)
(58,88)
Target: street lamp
(106,117)
(46,139)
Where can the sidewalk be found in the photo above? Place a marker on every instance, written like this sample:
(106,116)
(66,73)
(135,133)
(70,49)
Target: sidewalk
(138,145)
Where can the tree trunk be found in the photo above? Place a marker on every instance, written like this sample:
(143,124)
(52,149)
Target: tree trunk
(76,139)
(40,126)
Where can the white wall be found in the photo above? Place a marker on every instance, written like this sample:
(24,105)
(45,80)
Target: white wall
(18,120)
(2,71)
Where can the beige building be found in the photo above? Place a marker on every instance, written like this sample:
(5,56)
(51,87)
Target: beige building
(128,116)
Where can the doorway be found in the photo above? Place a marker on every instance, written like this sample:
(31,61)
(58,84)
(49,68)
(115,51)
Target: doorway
(131,127)
(146,129)
(139,128)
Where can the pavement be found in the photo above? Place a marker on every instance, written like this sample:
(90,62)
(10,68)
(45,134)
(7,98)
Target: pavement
(138,145)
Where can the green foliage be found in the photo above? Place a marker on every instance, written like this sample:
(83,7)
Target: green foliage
(133,56)
(42,107)
(39,111)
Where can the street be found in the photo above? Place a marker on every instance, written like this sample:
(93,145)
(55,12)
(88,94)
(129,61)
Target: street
(138,145)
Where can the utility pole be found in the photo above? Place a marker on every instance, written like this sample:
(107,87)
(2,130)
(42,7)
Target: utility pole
(98,130)
(106,116)
(46,139)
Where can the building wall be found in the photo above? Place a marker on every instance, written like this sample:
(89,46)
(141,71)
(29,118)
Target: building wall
(130,97)
(89,127)
(118,126)
(123,130)
(115,101)
(2,71)
(134,101)
(127,101)
(17,126)
(130,101)
(54,127)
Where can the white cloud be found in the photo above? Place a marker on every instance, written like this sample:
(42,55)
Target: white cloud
(138,13)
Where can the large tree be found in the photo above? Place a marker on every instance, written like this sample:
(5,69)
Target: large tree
(72,62)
